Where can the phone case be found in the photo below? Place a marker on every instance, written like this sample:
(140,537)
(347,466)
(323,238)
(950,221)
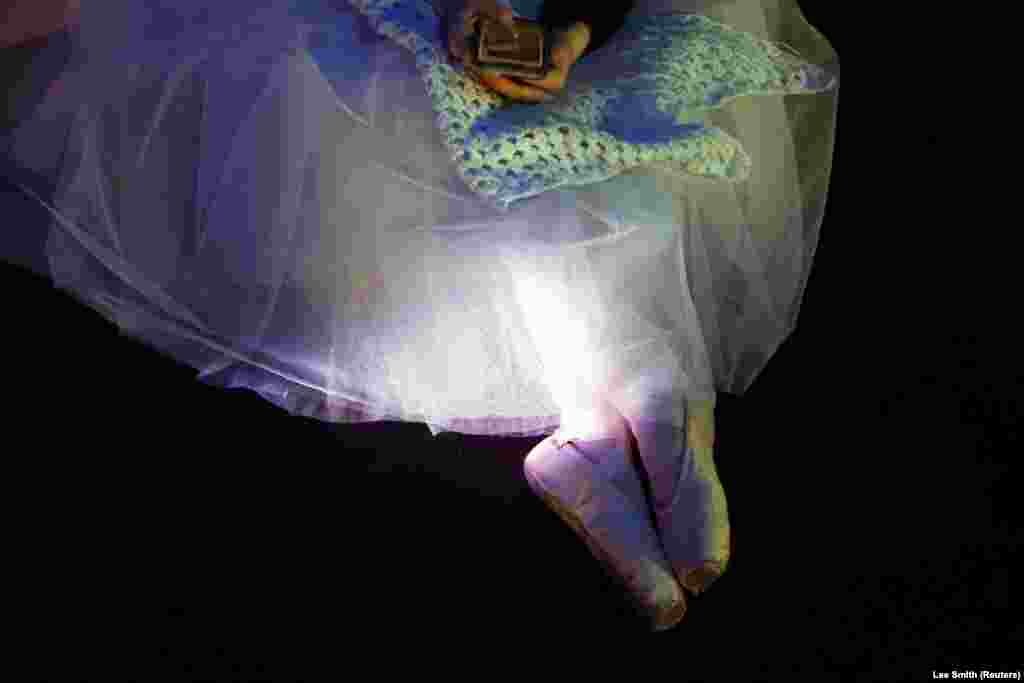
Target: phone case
(495,52)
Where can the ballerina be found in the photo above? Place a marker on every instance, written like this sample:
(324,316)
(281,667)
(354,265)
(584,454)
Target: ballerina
(316,201)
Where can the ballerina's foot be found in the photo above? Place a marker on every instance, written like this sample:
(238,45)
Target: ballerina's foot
(689,501)
(591,485)
(664,609)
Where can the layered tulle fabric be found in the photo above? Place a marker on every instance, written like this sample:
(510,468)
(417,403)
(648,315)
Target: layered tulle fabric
(219,197)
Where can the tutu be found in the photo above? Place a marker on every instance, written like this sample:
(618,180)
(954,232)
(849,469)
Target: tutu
(290,219)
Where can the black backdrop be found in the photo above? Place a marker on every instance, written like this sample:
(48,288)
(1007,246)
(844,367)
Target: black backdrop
(867,472)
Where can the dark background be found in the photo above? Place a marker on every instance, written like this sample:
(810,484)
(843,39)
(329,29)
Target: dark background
(868,473)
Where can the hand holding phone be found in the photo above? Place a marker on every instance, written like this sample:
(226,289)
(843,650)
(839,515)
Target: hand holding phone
(462,18)
(515,57)
(496,52)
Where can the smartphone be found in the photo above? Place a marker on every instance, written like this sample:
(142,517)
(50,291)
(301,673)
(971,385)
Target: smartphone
(496,51)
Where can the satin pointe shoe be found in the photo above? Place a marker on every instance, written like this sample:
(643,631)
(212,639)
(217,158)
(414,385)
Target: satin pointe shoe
(689,502)
(591,484)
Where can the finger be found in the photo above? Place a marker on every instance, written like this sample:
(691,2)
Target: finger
(554,81)
(567,51)
(514,89)
(561,56)
(571,45)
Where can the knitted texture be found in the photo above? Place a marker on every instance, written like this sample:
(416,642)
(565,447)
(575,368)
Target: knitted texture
(638,101)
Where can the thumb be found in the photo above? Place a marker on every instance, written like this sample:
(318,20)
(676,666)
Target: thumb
(571,45)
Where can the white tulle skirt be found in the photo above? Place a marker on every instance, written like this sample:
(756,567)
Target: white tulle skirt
(227,204)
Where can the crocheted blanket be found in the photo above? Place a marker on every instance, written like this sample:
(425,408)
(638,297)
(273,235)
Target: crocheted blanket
(639,100)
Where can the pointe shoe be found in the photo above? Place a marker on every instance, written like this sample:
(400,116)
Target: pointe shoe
(690,508)
(593,487)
